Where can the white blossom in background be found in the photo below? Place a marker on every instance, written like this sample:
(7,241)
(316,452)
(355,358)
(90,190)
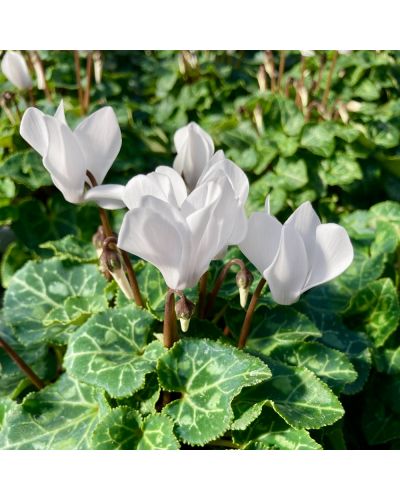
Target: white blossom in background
(181,242)
(14,67)
(67,154)
(298,255)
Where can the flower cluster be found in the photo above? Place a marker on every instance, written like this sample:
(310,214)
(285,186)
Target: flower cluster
(180,218)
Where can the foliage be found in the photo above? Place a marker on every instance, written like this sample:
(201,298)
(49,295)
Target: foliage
(323,373)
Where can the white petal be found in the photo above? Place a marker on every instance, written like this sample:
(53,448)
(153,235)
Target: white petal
(267,204)
(194,150)
(236,176)
(156,233)
(288,272)
(109,196)
(64,160)
(152,184)
(60,113)
(334,253)
(14,67)
(306,221)
(240,227)
(262,240)
(99,136)
(177,183)
(33,129)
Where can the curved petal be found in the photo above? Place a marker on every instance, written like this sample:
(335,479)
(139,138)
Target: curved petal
(236,176)
(288,272)
(16,70)
(99,137)
(306,221)
(262,240)
(333,255)
(240,227)
(153,184)
(194,150)
(177,183)
(109,196)
(64,160)
(60,113)
(33,129)
(155,232)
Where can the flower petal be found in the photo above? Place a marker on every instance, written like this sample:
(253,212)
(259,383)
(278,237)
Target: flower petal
(64,160)
(235,175)
(333,255)
(177,183)
(109,196)
(262,240)
(194,150)
(60,113)
(157,233)
(33,129)
(306,221)
(99,137)
(153,184)
(14,67)
(288,272)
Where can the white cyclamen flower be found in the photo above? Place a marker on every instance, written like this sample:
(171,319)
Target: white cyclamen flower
(14,67)
(181,242)
(298,255)
(67,154)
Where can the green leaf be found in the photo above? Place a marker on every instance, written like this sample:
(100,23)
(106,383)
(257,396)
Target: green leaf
(111,350)
(319,139)
(40,287)
(300,398)
(71,248)
(388,361)
(387,238)
(340,170)
(292,173)
(124,429)
(273,327)
(270,431)
(75,310)
(13,259)
(292,120)
(208,375)
(60,417)
(38,222)
(330,365)
(26,168)
(37,357)
(376,307)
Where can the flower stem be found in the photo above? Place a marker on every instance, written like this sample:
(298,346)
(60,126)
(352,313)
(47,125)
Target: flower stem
(244,333)
(202,295)
(221,278)
(108,232)
(329,81)
(169,329)
(36,381)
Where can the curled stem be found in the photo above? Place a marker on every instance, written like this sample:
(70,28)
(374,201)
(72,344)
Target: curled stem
(36,381)
(244,332)
(329,81)
(221,278)
(108,232)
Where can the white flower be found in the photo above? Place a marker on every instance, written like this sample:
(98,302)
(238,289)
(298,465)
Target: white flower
(67,154)
(298,255)
(181,242)
(14,67)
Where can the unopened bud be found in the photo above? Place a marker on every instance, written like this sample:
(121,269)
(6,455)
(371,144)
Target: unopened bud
(353,106)
(258,119)
(343,113)
(110,259)
(269,63)
(98,66)
(184,310)
(262,78)
(98,240)
(244,279)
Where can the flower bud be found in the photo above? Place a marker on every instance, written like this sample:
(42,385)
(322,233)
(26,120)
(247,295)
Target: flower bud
(244,279)
(184,310)
(111,262)
(98,240)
